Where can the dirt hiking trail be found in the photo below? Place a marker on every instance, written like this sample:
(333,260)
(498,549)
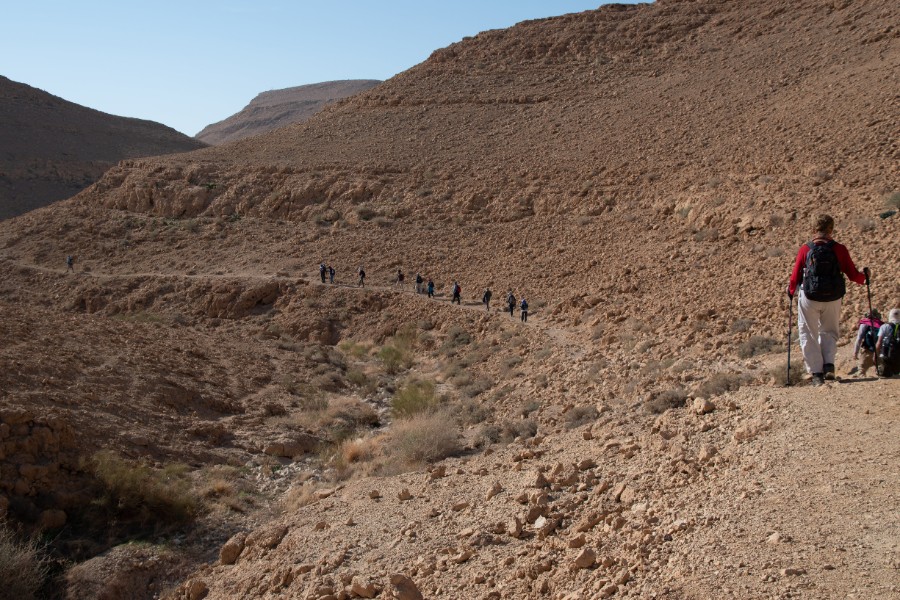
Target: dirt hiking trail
(812,513)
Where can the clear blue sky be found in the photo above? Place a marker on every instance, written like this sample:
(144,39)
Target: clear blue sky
(189,63)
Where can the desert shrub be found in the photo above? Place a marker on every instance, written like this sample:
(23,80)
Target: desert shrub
(359,450)
(865,224)
(741,325)
(756,345)
(774,252)
(470,412)
(778,372)
(357,377)
(486,435)
(416,396)
(580,415)
(329,381)
(710,234)
(347,415)
(394,359)
(719,383)
(456,338)
(136,491)
(476,387)
(663,401)
(893,200)
(382,222)
(299,495)
(423,438)
(23,567)
(512,361)
(522,428)
(354,349)
(366,213)
(528,407)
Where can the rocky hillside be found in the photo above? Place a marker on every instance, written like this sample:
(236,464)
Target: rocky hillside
(277,108)
(52,149)
(641,174)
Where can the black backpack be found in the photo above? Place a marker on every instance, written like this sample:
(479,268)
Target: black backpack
(870,336)
(890,347)
(822,278)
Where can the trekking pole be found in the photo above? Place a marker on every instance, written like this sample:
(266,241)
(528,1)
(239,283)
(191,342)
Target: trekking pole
(871,318)
(790,332)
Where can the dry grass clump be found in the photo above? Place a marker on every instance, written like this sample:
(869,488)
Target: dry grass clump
(778,372)
(756,345)
(424,438)
(456,338)
(134,491)
(470,412)
(345,416)
(354,349)
(741,325)
(299,495)
(23,567)
(721,382)
(416,396)
(580,415)
(662,401)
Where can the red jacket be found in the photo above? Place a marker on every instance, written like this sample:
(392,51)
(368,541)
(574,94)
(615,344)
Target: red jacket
(843,256)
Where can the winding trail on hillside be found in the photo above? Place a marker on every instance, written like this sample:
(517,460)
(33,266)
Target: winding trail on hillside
(816,513)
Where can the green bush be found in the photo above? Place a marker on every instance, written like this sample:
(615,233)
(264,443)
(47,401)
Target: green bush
(394,359)
(132,490)
(23,567)
(415,397)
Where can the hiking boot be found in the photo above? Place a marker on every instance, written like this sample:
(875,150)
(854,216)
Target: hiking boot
(829,372)
(817,379)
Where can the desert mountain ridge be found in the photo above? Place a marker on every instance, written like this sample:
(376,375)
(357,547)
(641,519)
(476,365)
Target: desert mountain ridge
(277,108)
(51,149)
(643,175)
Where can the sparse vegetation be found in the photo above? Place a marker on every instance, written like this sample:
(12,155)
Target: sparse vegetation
(756,345)
(416,396)
(424,438)
(710,234)
(580,415)
(135,491)
(778,372)
(23,567)
(893,200)
(662,401)
(721,382)
(865,224)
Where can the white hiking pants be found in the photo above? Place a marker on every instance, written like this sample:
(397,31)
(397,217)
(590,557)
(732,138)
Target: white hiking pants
(819,324)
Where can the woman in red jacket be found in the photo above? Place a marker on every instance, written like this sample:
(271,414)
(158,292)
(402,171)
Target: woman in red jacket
(820,266)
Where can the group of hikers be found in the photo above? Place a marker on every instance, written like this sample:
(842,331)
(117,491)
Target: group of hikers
(818,275)
(326,273)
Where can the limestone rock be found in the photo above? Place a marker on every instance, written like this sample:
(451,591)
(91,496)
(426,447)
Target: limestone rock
(197,590)
(363,587)
(586,559)
(405,588)
(404,495)
(703,406)
(232,549)
(495,489)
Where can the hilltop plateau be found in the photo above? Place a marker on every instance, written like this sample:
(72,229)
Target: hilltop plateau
(51,149)
(278,108)
(643,175)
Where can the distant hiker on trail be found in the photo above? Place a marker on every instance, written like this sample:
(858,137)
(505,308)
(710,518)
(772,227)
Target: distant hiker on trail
(322,272)
(331,274)
(888,346)
(866,337)
(400,278)
(362,277)
(419,281)
(70,263)
(821,265)
(486,299)
(523,308)
(510,302)
(430,288)
(457,294)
